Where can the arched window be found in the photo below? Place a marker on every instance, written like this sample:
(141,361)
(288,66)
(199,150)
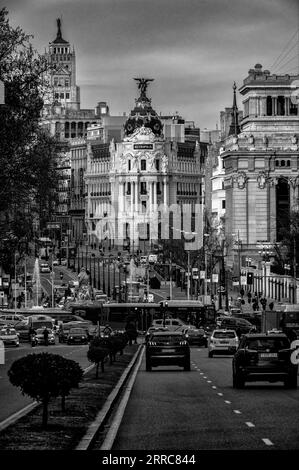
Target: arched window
(288,163)
(282,163)
(276,163)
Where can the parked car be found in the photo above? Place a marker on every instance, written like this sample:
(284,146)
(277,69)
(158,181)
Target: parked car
(223,341)
(23,330)
(143,259)
(264,357)
(77,336)
(9,337)
(240,325)
(152,258)
(234,310)
(63,262)
(196,336)
(45,268)
(167,348)
(39,339)
(66,327)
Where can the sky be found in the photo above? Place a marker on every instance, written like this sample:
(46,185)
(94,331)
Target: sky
(194,49)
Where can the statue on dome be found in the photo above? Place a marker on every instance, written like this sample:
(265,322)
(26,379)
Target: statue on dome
(143,84)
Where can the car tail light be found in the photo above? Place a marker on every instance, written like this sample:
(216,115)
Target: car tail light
(183,343)
(152,343)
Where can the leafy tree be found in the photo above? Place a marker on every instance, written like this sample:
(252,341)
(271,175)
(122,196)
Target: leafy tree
(27,152)
(45,376)
(99,349)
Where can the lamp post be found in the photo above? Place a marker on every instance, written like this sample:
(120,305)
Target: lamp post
(104,286)
(239,243)
(94,270)
(170,276)
(99,276)
(15,287)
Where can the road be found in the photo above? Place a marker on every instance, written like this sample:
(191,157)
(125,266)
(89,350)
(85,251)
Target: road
(11,398)
(196,410)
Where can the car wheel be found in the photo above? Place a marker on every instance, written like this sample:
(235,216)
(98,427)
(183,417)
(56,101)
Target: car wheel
(238,382)
(187,365)
(148,365)
(210,354)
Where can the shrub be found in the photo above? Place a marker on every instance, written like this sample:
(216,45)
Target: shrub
(98,351)
(44,376)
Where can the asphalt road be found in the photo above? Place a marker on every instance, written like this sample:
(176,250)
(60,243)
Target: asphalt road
(11,399)
(197,410)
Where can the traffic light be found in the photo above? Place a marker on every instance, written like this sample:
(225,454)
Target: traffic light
(250,278)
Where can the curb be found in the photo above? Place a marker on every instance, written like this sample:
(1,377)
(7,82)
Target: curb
(27,409)
(94,427)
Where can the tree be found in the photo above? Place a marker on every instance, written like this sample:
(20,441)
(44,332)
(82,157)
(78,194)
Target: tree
(27,152)
(45,376)
(98,351)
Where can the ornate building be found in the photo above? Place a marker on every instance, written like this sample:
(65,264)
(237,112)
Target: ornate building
(138,175)
(261,161)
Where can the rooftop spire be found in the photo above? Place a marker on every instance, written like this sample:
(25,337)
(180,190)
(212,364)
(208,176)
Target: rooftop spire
(234,128)
(59,36)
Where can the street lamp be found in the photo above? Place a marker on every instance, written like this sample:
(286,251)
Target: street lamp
(239,243)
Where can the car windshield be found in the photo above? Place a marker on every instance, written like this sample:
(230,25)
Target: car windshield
(40,331)
(77,331)
(263,344)
(224,334)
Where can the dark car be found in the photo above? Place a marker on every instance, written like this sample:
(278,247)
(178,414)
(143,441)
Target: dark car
(196,336)
(152,329)
(167,348)
(77,336)
(264,357)
(64,329)
(240,325)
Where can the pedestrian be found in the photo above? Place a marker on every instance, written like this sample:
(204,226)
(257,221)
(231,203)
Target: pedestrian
(131,332)
(46,336)
(271,305)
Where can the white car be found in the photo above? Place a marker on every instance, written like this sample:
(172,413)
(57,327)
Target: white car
(45,268)
(63,262)
(9,336)
(152,258)
(223,341)
(56,262)
(143,259)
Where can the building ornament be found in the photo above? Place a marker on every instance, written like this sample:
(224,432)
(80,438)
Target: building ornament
(140,134)
(251,139)
(262,179)
(294,181)
(164,163)
(294,139)
(241,179)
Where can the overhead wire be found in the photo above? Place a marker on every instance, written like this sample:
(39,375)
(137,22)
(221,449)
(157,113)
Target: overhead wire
(281,56)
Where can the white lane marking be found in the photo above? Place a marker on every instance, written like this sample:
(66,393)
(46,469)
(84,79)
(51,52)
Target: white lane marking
(201,373)
(250,425)
(204,377)
(214,387)
(226,401)
(237,412)
(267,442)
(209,381)
(220,394)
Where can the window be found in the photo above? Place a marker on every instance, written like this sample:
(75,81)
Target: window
(56,96)
(143,187)
(143,207)
(129,165)
(157,164)
(288,163)
(61,95)
(143,165)
(280,106)
(282,163)
(67,82)
(269,105)
(223,204)
(129,188)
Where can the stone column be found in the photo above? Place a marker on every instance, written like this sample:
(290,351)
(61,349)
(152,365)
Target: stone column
(136,196)
(124,197)
(155,194)
(132,196)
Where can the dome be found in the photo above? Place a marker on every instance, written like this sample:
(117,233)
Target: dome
(143,114)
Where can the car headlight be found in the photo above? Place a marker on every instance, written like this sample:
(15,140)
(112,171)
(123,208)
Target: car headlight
(71,337)
(83,337)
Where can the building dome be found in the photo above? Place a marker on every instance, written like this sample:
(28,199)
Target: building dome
(143,114)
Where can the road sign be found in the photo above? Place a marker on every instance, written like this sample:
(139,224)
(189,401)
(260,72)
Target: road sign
(53,226)
(215,277)
(202,274)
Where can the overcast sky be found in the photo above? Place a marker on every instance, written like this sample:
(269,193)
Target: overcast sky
(194,49)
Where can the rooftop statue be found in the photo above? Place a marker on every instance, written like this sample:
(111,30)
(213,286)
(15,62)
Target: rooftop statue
(143,84)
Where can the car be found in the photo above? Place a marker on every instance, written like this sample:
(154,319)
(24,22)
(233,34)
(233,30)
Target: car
(66,327)
(264,357)
(152,258)
(173,324)
(167,348)
(240,325)
(23,330)
(45,268)
(152,329)
(9,337)
(63,262)
(39,339)
(196,336)
(143,259)
(55,262)
(77,336)
(234,310)
(223,341)
(11,319)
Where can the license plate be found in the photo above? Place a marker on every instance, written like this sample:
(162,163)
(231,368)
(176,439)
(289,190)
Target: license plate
(264,355)
(224,342)
(168,350)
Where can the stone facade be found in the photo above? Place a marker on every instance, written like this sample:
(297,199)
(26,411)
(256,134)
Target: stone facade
(261,162)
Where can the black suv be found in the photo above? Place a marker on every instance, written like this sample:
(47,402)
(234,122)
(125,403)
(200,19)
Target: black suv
(167,348)
(264,357)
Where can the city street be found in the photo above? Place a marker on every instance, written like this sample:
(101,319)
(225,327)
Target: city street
(173,409)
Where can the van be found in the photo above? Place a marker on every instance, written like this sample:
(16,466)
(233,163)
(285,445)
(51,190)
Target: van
(172,324)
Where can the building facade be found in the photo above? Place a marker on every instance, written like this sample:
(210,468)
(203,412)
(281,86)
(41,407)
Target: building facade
(136,178)
(261,162)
